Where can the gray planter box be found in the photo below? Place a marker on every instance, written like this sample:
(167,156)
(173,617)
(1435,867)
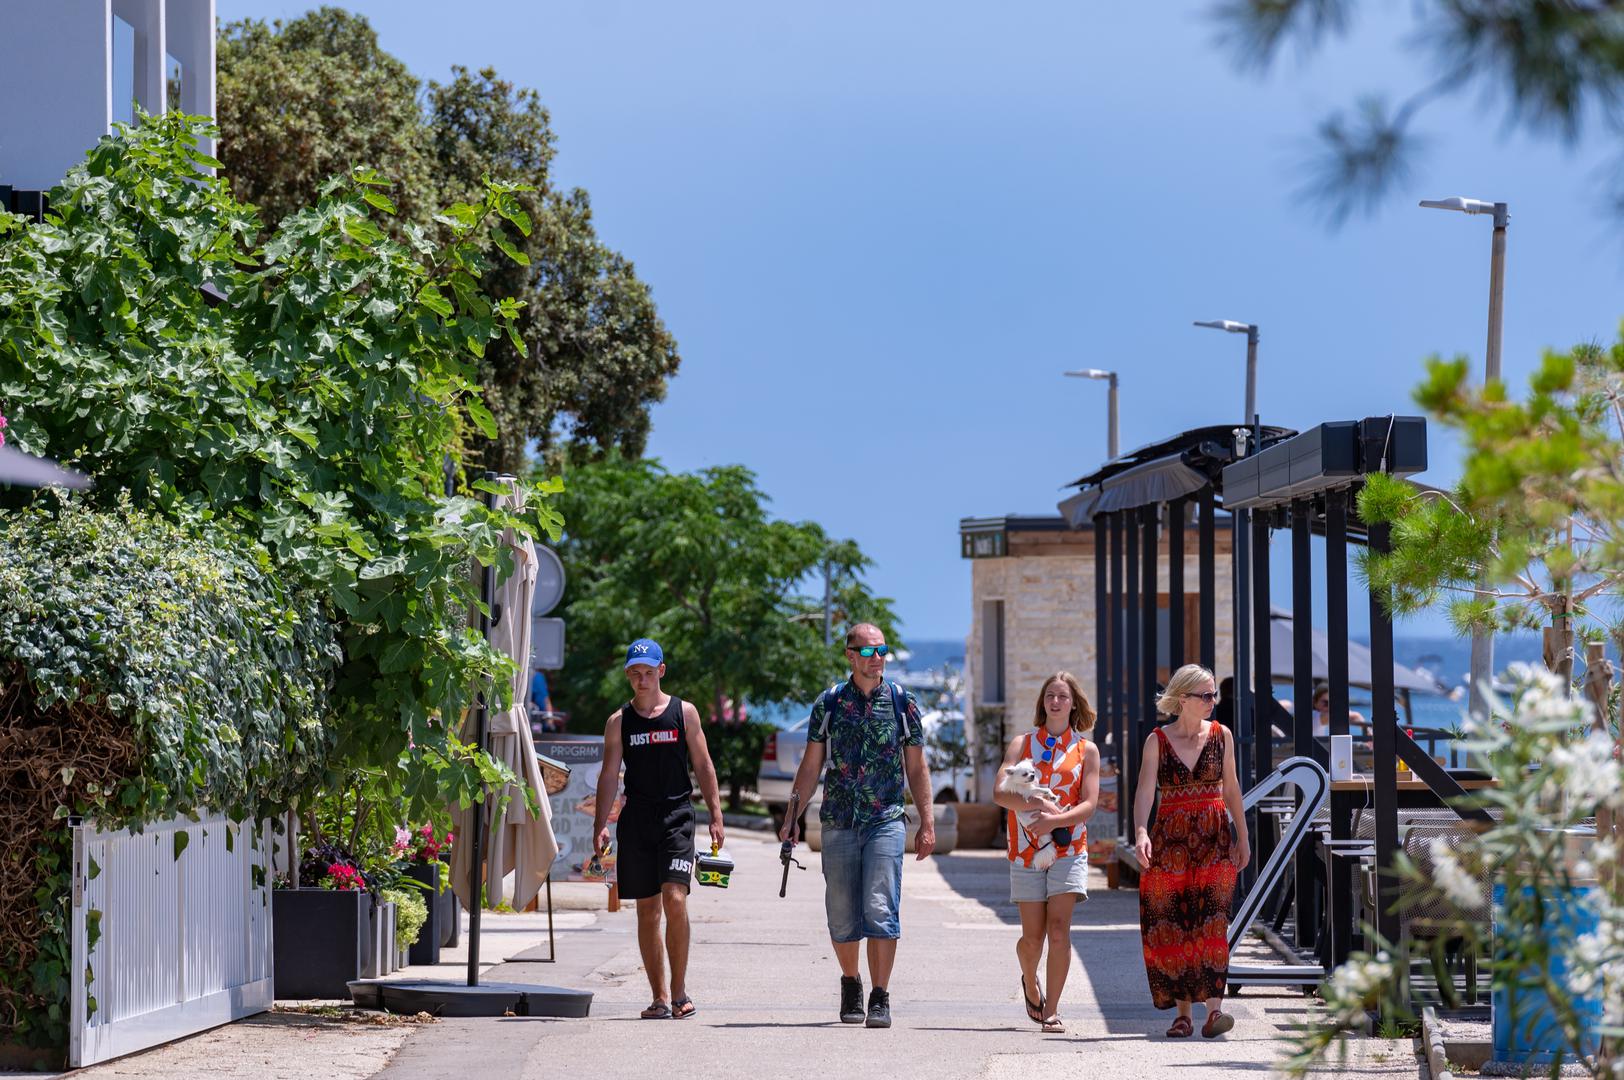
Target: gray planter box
(322,940)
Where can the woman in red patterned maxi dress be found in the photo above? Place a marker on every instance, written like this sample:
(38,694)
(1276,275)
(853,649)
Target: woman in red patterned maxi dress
(1189,859)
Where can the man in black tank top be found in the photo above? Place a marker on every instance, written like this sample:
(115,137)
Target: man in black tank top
(658,737)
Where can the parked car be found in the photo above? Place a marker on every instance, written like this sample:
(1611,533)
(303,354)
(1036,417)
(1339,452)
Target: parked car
(780,756)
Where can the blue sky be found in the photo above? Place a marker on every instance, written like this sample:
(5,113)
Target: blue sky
(881,231)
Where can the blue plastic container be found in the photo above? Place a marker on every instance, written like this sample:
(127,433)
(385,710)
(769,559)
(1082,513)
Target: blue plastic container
(1535,1038)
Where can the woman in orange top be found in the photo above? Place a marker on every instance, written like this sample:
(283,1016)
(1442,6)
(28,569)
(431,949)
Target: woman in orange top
(1048,857)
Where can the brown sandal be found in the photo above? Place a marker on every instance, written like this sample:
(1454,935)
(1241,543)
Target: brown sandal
(1182,1028)
(1054,1026)
(1217,1023)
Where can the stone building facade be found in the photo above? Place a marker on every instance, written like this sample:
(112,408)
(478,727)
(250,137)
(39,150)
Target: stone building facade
(1032,614)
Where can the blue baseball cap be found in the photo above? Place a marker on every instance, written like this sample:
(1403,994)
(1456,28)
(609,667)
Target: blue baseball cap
(644,651)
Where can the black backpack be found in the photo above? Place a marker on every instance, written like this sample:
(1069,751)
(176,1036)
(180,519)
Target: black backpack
(899,699)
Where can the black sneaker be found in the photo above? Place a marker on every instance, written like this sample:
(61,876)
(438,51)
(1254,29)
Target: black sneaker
(879,1008)
(851,1000)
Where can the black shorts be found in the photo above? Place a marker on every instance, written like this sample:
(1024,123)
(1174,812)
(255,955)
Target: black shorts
(656,848)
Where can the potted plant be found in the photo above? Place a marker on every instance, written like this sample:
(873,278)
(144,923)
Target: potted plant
(411,919)
(423,851)
(322,933)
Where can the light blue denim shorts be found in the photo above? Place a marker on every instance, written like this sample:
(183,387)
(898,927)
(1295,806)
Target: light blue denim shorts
(862,879)
(1068,874)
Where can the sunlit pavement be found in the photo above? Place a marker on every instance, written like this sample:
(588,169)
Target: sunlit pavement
(766,984)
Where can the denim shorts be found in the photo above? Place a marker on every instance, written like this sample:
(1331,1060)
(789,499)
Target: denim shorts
(1068,874)
(862,877)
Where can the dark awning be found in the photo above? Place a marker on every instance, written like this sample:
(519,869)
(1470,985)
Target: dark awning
(1158,473)
(1151,484)
(1214,440)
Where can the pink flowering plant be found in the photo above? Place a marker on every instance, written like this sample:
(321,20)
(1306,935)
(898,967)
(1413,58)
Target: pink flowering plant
(427,845)
(343,878)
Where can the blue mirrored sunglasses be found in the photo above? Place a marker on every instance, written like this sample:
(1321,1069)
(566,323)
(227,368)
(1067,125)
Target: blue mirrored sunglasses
(866,651)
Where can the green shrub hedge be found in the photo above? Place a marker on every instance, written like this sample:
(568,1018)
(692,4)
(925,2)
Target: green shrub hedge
(146,670)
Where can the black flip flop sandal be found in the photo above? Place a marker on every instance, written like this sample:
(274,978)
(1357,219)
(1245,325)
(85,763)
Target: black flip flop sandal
(657,1011)
(1034,1009)
(677,1010)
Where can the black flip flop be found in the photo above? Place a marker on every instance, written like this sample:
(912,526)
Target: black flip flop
(657,1011)
(1034,1009)
(677,1012)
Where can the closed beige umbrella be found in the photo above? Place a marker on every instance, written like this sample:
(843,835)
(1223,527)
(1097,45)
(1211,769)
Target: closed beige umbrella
(517,841)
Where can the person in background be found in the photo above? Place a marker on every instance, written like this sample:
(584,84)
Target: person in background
(1322,713)
(1224,712)
(540,695)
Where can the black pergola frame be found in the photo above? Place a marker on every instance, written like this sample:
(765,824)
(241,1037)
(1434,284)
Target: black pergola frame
(1305,482)
(1323,469)
(1128,544)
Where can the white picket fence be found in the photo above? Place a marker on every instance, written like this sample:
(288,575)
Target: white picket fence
(181,943)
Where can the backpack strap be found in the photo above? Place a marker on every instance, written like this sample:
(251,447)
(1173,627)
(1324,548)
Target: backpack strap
(899,701)
(829,697)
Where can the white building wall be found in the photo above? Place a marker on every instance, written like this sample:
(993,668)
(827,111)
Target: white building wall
(56,81)
(56,76)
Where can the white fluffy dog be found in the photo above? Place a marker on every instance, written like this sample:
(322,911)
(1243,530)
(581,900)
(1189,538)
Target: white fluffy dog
(1022,780)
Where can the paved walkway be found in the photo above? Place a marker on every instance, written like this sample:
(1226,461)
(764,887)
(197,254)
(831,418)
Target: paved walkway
(766,983)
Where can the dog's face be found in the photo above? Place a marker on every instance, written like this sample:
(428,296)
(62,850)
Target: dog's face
(1021,777)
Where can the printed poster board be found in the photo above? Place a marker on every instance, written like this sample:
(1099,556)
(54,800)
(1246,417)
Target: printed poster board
(574,803)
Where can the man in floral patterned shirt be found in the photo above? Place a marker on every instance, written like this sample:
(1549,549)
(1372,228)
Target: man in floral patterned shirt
(870,733)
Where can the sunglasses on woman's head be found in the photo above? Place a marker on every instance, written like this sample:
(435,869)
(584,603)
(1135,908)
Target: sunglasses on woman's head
(1209,697)
(866,651)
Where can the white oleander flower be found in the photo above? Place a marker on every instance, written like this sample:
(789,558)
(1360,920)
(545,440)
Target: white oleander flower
(1535,677)
(1585,772)
(1586,961)
(1596,957)
(1458,887)
(1353,986)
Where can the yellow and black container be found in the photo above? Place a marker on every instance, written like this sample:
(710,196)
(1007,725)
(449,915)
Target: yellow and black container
(714,869)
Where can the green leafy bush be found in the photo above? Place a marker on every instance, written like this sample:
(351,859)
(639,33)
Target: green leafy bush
(146,670)
(318,405)
(301,403)
(411,912)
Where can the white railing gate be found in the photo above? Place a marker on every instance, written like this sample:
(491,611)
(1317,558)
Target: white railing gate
(171,933)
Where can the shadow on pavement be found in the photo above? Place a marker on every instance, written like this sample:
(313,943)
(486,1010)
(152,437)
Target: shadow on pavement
(982,879)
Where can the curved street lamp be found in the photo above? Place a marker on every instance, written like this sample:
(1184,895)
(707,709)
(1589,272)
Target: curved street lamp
(1482,642)
(1111,407)
(1250,330)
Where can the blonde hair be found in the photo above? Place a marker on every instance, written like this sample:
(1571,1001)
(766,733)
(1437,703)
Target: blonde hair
(1082,713)
(1184,681)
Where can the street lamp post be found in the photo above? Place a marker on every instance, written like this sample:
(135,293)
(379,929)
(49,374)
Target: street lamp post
(1482,641)
(1497,269)
(1247,726)
(1250,330)
(1111,404)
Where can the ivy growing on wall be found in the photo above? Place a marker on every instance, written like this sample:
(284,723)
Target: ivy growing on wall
(149,670)
(302,401)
